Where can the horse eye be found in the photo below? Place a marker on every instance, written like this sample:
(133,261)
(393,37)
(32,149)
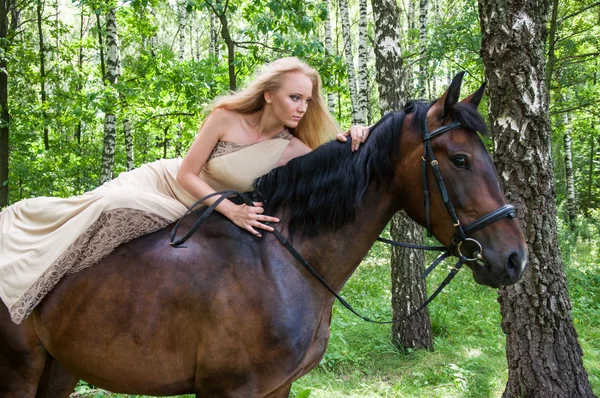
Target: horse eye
(460,161)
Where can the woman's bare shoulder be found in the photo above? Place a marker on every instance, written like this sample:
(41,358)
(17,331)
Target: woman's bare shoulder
(294,149)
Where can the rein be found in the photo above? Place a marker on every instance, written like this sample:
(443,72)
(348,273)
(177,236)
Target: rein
(456,246)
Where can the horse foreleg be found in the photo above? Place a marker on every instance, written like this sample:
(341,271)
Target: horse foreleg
(22,357)
(56,381)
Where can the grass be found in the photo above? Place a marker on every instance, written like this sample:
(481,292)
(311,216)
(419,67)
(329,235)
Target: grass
(469,356)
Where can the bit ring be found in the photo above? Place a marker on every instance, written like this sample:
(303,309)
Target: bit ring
(477,254)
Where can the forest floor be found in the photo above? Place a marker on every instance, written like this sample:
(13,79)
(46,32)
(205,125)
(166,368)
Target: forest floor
(469,355)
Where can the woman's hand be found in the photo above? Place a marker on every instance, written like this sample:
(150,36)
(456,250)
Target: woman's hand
(250,217)
(358,133)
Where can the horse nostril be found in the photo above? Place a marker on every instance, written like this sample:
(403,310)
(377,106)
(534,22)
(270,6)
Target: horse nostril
(515,266)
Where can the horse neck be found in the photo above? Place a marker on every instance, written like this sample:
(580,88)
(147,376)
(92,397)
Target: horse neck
(336,255)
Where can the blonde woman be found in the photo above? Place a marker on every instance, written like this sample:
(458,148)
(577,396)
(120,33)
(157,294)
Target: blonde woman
(278,117)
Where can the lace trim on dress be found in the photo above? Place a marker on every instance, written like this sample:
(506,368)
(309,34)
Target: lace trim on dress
(113,228)
(225,147)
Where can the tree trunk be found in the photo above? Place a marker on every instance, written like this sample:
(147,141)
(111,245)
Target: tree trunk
(329,49)
(182,11)
(79,87)
(128,143)
(422,88)
(112,74)
(552,45)
(39,11)
(591,170)
(569,179)
(4,115)
(410,24)
(349,60)
(363,96)
(220,11)
(408,289)
(214,36)
(544,356)
(101,48)
(388,55)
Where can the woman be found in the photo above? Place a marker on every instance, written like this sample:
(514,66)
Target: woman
(278,117)
(277,101)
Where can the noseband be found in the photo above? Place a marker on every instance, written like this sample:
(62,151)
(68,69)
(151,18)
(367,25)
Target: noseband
(459,243)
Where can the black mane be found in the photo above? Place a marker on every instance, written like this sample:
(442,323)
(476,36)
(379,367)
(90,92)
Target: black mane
(319,191)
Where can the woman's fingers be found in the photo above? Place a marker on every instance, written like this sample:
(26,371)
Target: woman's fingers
(342,137)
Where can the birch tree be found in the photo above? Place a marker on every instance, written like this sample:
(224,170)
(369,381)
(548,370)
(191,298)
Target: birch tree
(569,178)
(42,53)
(113,72)
(408,289)
(182,13)
(421,89)
(214,35)
(4,115)
(329,49)
(363,94)
(356,113)
(544,356)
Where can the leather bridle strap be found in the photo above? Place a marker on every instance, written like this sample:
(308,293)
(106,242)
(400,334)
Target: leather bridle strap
(313,272)
(286,243)
(490,218)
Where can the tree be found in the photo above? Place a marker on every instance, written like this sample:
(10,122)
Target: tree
(112,74)
(329,49)
(422,49)
(4,115)
(408,290)
(571,205)
(544,356)
(40,11)
(182,12)
(356,111)
(363,96)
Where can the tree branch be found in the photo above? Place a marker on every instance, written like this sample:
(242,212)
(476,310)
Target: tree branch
(574,108)
(579,56)
(578,12)
(243,44)
(164,115)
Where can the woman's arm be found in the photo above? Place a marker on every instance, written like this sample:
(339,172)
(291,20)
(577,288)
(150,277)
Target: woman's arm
(188,176)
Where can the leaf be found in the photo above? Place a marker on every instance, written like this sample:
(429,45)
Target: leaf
(304,393)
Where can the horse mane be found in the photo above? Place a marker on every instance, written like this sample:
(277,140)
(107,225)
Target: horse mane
(319,191)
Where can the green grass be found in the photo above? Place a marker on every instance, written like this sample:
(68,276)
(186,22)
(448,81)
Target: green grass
(469,356)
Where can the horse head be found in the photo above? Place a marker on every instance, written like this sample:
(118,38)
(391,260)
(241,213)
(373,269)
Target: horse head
(497,252)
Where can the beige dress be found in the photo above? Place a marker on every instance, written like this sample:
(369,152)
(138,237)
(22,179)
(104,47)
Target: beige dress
(43,239)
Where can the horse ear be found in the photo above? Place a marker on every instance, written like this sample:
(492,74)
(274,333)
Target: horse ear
(475,98)
(450,97)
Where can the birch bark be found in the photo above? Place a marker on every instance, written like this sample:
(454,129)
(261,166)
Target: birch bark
(182,13)
(113,71)
(329,49)
(544,356)
(569,178)
(363,96)
(4,114)
(349,60)
(408,289)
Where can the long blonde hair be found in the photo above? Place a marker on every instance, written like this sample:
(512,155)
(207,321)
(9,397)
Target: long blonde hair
(316,126)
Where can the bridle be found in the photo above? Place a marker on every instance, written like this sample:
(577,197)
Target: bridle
(461,237)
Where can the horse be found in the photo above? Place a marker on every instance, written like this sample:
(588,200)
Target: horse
(235,315)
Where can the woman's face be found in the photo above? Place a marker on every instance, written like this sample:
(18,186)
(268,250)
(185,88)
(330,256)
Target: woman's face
(290,102)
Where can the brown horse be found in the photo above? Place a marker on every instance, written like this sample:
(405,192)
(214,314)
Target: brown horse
(233,315)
